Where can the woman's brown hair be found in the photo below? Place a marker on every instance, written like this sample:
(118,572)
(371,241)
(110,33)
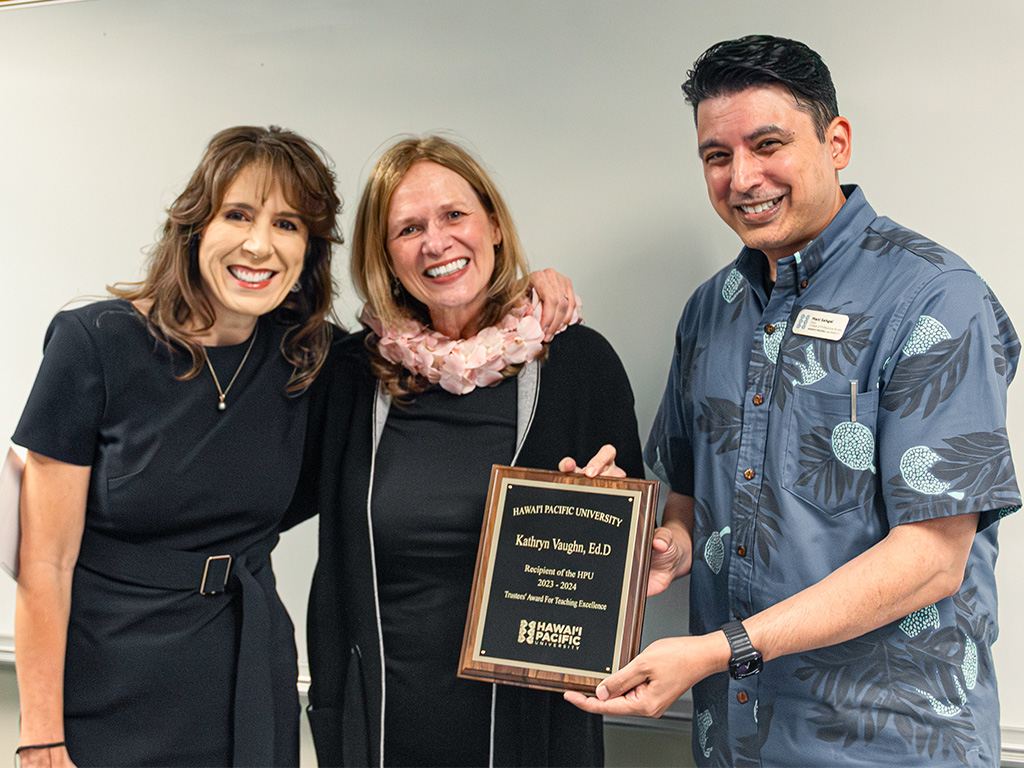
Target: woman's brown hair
(178,307)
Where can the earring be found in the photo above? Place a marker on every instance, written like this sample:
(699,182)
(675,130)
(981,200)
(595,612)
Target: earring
(296,287)
(396,287)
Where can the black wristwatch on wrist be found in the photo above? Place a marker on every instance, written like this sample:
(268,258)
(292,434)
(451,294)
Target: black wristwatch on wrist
(745,661)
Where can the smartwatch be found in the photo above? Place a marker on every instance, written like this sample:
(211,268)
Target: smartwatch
(745,661)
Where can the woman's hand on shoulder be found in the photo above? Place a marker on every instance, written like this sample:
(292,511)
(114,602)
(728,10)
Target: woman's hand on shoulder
(558,299)
(602,463)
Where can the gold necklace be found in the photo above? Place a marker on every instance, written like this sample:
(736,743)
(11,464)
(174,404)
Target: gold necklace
(222,393)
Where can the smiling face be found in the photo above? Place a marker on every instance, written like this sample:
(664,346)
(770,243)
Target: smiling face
(250,254)
(769,176)
(441,242)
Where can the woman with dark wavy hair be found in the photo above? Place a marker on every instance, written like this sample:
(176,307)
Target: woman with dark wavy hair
(164,436)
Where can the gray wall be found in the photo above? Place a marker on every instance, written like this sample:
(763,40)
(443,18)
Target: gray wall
(576,108)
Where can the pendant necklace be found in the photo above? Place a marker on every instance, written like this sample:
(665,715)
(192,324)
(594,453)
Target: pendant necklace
(222,393)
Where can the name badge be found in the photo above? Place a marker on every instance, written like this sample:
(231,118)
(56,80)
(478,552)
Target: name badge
(821,325)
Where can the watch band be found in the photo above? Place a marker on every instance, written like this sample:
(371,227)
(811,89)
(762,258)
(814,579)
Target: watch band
(746,660)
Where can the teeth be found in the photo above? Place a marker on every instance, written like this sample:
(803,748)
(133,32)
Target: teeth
(760,206)
(447,269)
(250,275)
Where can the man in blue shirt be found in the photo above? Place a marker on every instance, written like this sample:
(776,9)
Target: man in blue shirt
(833,432)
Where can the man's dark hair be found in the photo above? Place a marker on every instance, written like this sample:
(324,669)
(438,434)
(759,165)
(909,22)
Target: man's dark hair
(759,60)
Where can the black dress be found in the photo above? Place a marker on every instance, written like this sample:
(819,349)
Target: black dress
(157,673)
(430,480)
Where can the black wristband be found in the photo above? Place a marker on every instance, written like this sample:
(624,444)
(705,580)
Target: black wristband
(745,661)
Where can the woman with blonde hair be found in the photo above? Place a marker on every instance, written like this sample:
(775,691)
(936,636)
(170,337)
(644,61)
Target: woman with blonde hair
(451,375)
(164,435)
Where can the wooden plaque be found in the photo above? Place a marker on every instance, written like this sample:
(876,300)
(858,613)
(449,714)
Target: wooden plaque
(561,579)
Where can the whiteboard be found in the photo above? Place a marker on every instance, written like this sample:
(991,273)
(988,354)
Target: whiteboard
(574,105)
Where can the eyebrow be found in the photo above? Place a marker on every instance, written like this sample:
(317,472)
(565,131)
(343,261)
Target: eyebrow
(447,206)
(764,130)
(288,214)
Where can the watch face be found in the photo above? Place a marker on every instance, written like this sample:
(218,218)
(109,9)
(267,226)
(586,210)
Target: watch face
(748,668)
(740,669)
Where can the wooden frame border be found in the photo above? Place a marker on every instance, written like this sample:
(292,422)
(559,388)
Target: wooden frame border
(634,577)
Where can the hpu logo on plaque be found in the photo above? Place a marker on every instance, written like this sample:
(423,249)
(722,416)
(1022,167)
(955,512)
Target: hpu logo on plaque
(550,634)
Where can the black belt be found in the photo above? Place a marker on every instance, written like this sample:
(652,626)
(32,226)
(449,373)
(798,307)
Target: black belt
(209,575)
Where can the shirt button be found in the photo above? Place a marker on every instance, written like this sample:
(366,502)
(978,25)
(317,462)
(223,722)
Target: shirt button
(803,283)
(741,697)
(741,551)
(769,329)
(758,399)
(749,474)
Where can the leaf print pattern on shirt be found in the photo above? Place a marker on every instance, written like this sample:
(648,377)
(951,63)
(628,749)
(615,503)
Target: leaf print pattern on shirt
(764,513)
(927,379)
(872,684)
(1005,330)
(977,465)
(722,421)
(976,666)
(747,753)
(688,358)
(884,241)
(826,474)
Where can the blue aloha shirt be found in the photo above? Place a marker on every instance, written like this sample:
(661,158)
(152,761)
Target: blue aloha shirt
(790,486)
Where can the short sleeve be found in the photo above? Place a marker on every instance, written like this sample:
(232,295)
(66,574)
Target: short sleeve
(943,446)
(669,452)
(65,407)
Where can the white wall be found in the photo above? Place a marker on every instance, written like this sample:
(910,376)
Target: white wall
(107,104)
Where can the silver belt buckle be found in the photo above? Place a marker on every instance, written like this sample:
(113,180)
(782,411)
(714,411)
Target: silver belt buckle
(206,572)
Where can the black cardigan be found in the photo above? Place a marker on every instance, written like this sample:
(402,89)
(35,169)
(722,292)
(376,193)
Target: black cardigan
(584,401)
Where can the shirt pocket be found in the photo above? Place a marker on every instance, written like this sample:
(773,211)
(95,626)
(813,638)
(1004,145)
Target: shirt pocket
(831,458)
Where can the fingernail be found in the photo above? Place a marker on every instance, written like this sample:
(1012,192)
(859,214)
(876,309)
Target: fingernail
(602,692)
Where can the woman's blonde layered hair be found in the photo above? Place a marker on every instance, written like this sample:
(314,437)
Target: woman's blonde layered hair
(373,274)
(178,307)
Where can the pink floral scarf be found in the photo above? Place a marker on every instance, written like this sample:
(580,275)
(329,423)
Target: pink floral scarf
(462,366)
